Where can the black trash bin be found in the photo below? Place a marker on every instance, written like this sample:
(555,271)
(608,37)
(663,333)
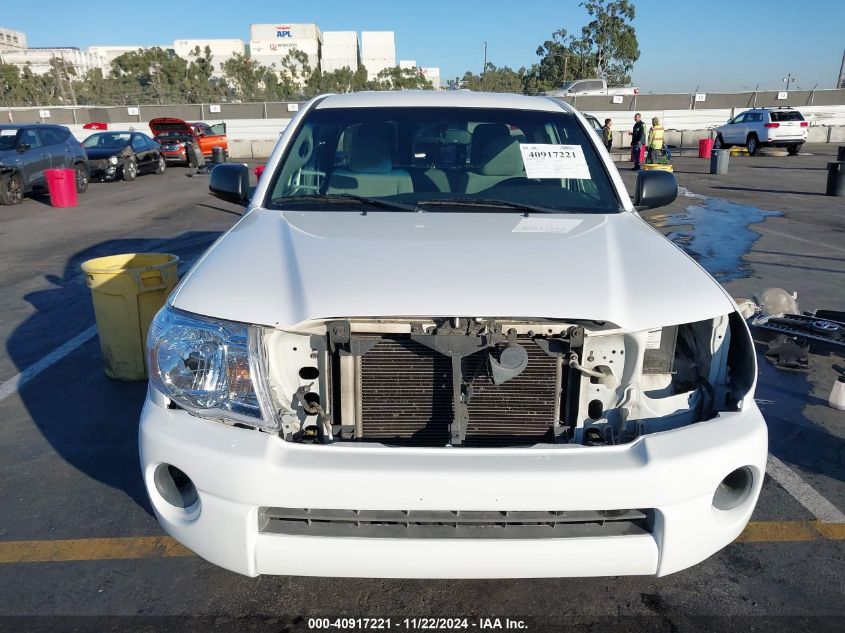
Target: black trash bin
(840,153)
(836,178)
(217,155)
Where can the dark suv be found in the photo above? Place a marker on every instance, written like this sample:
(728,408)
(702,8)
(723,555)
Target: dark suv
(27,150)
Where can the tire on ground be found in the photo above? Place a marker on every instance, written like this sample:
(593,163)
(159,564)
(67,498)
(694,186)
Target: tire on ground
(82,177)
(11,188)
(130,169)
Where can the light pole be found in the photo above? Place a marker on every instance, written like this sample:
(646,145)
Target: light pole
(788,80)
(484,68)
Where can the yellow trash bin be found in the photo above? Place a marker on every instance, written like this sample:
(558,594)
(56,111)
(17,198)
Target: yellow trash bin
(127,291)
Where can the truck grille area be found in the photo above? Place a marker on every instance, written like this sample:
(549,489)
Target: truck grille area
(406,394)
(407,397)
(453,524)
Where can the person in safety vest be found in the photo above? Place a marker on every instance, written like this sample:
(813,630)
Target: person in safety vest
(607,134)
(655,140)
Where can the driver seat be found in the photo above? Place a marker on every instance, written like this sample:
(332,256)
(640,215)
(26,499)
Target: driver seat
(369,170)
(500,159)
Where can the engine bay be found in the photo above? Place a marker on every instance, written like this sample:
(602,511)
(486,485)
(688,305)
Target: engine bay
(489,382)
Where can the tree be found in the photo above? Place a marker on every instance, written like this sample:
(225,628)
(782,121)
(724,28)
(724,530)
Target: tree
(341,80)
(494,80)
(396,78)
(152,75)
(12,90)
(245,76)
(200,84)
(609,41)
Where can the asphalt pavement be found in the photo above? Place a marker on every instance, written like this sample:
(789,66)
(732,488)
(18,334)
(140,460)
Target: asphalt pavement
(81,551)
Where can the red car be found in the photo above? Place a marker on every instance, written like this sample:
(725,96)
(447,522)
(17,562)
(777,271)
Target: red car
(174,136)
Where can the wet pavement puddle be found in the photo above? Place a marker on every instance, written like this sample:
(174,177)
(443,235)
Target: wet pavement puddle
(716,233)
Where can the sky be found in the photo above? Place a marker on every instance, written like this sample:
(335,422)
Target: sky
(708,45)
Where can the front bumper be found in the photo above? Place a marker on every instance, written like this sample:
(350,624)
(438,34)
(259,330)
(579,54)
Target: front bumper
(103,170)
(237,471)
(176,157)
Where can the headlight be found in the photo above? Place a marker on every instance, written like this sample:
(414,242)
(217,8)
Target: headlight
(113,160)
(211,368)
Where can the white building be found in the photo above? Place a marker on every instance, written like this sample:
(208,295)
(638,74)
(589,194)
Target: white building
(433,75)
(12,39)
(270,43)
(110,53)
(407,64)
(221,51)
(378,51)
(340,49)
(38,59)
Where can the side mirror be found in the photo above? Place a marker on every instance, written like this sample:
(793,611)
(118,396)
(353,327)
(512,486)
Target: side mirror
(23,147)
(230,182)
(655,189)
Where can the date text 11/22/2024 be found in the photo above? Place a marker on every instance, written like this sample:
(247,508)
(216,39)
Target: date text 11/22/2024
(416,624)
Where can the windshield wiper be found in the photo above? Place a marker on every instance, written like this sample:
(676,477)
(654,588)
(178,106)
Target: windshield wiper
(346,198)
(484,204)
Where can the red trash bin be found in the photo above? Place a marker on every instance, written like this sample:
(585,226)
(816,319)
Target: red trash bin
(61,183)
(642,154)
(705,147)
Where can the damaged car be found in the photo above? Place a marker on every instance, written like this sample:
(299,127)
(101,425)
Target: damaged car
(441,343)
(178,139)
(123,155)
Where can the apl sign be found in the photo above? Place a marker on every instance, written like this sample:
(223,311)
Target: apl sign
(283,31)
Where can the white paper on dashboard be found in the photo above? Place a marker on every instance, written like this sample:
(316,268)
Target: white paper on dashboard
(546,160)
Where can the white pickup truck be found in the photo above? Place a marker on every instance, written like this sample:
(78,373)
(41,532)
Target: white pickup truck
(591,87)
(441,343)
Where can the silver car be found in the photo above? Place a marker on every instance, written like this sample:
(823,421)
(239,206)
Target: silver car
(27,151)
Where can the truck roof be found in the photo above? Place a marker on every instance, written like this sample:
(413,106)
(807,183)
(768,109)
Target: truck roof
(441,99)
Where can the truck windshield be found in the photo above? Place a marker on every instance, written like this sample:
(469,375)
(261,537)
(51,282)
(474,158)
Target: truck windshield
(443,159)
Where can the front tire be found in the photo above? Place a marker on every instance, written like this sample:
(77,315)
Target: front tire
(793,150)
(719,143)
(752,145)
(162,165)
(11,189)
(82,177)
(130,170)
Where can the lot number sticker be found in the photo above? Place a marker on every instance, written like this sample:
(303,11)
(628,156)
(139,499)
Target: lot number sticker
(554,161)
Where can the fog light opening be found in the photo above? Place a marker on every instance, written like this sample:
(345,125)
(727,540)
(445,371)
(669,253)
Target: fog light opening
(175,487)
(734,489)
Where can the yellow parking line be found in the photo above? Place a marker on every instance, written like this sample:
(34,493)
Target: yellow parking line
(166,547)
(831,531)
(91,549)
(778,531)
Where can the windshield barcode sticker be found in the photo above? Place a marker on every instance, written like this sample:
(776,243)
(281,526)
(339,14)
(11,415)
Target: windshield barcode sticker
(654,339)
(545,225)
(8,132)
(554,161)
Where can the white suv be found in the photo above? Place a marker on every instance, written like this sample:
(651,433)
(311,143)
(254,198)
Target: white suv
(771,127)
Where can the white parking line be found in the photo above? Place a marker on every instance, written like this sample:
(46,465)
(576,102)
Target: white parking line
(806,241)
(803,492)
(16,382)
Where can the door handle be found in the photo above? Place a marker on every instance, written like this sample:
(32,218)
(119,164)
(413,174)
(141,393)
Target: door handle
(43,155)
